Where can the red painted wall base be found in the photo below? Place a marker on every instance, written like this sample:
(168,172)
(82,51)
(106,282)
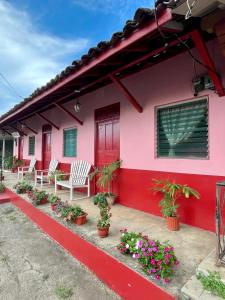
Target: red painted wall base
(120,278)
(135,192)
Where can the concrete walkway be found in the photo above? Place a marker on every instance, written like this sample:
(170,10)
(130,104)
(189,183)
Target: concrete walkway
(191,244)
(33,267)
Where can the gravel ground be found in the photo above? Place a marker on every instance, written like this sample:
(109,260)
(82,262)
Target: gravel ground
(34,267)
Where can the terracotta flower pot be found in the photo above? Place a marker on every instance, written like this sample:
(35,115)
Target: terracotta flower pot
(81,220)
(103,232)
(173,223)
(43,201)
(14,170)
(59,187)
(53,206)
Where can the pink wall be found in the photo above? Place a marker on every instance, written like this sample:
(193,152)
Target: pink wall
(164,83)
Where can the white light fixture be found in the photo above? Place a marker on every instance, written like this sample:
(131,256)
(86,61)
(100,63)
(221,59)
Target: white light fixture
(77,106)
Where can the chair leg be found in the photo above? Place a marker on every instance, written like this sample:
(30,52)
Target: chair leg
(55,187)
(71,193)
(41,183)
(89,188)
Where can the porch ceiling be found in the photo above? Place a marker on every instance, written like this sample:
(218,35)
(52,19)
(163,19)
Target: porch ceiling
(140,45)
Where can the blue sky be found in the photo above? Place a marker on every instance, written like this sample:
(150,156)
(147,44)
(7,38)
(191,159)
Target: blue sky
(39,38)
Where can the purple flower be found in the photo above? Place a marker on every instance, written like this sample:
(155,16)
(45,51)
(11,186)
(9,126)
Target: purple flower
(136,255)
(153,270)
(155,249)
(143,249)
(152,243)
(139,244)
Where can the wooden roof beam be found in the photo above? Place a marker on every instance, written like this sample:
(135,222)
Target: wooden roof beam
(128,95)
(28,127)
(68,113)
(20,131)
(203,51)
(47,120)
(6,131)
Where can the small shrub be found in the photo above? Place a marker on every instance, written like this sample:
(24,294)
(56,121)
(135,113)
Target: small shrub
(212,283)
(53,199)
(104,219)
(63,292)
(156,259)
(22,187)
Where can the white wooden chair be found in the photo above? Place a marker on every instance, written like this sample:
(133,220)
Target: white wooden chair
(42,176)
(27,169)
(78,178)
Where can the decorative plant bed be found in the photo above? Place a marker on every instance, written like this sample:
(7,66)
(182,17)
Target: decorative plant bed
(156,259)
(22,187)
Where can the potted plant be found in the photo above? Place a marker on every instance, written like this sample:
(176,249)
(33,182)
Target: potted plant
(38,198)
(22,187)
(2,187)
(103,223)
(8,162)
(105,177)
(54,200)
(171,193)
(74,214)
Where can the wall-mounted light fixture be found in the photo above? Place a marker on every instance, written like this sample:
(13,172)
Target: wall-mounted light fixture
(77,106)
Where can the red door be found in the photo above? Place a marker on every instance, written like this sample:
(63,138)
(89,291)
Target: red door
(46,149)
(20,153)
(108,137)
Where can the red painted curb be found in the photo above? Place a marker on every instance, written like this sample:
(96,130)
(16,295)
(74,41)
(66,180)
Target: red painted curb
(120,278)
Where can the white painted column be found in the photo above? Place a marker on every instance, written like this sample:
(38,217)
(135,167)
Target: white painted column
(3,152)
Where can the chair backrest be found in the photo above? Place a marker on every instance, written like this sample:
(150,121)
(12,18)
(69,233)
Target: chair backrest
(52,166)
(32,165)
(79,171)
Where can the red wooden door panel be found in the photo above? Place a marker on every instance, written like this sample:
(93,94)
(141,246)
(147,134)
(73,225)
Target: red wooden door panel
(46,154)
(107,138)
(20,154)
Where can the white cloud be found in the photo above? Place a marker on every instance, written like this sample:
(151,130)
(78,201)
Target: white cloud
(28,57)
(121,8)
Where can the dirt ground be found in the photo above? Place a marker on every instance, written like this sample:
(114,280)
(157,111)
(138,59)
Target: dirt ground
(34,267)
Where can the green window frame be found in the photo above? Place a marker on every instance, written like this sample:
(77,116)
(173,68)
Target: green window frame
(182,130)
(31,147)
(70,142)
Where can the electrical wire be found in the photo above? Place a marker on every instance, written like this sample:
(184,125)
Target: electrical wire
(10,85)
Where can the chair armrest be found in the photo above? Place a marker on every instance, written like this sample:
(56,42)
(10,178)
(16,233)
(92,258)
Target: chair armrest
(41,171)
(24,168)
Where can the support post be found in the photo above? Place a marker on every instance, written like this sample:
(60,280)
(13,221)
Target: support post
(3,152)
(203,51)
(47,120)
(68,112)
(128,95)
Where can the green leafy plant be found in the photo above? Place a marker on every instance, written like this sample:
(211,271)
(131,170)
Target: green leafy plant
(8,162)
(60,175)
(171,193)
(100,200)
(28,177)
(106,175)
(212,283)
(63,292)
(38,197)
(22,187)
(53,199)
(2,187)
(156,259)
(17,162)
(104,219)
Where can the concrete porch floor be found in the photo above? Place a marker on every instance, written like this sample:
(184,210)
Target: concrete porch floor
(191,244)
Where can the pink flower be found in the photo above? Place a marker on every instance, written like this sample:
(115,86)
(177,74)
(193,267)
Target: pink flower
(139,244)
(143,249)
(166,280)
(136,255)
(155,249)
(157,277)
(152,261)
(159,262)
(153,270)
(166,249)
(152,243)
(176,262)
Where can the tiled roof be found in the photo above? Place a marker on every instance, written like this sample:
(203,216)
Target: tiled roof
(141,18)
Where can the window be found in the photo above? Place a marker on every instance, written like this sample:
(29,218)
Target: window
(70,142)
(182,130)
(31,145)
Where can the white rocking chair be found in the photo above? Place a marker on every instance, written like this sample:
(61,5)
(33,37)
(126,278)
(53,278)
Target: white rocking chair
(78,178)
(43,175)
(28,169)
